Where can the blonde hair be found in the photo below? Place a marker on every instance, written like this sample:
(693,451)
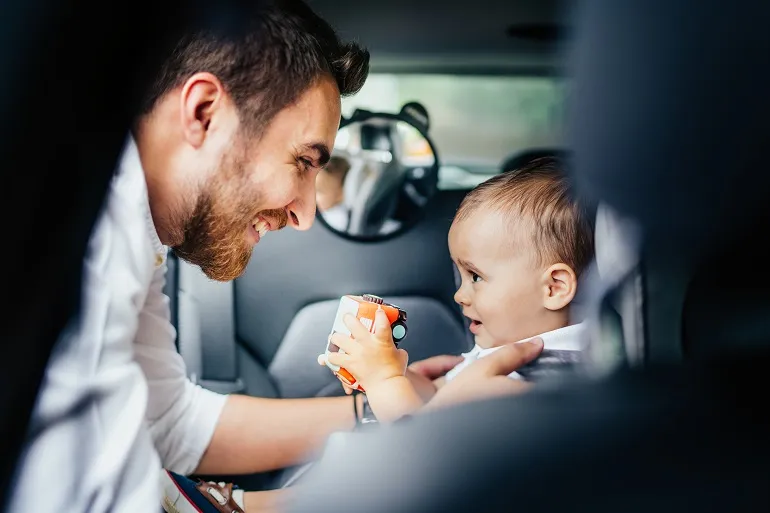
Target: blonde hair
(538,194)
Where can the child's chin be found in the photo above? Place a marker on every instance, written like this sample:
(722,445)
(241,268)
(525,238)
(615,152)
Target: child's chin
(484,341)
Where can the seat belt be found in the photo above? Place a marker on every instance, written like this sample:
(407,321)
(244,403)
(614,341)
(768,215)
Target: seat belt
(206,330)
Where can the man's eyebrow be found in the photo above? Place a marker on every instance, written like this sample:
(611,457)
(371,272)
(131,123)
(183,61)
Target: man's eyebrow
(322,151)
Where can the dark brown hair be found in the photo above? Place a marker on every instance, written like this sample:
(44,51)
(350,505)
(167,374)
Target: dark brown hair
(539,195)
(282,48)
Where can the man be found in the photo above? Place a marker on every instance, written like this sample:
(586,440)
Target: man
(227,149)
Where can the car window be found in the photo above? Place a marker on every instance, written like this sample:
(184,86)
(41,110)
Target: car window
(476,121)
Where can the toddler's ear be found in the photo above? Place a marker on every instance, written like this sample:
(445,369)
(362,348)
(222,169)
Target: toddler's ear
(559,286)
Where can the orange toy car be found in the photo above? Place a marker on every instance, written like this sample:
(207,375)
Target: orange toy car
(363,308)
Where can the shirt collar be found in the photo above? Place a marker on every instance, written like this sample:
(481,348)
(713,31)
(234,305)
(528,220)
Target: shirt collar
(131,164)
(569,338)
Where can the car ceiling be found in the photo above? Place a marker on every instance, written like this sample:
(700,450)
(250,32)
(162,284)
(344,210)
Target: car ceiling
(440,36)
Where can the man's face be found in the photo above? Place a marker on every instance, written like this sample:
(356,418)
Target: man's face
(262,185)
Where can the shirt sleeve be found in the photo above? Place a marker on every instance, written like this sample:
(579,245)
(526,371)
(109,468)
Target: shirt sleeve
(181,416)
(87,447)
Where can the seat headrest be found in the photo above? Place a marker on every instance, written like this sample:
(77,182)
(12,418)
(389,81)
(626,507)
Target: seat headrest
(672,130)
(617,242)
(726,308)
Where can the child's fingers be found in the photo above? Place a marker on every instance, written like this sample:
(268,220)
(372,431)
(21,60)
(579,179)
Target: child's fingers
(344,382)
(357,330)
(344,342)
(338,359)
(403,357)
(382,326)
(321,359)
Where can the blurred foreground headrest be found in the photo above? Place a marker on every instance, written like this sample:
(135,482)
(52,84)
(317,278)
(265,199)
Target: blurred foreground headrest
(670,119)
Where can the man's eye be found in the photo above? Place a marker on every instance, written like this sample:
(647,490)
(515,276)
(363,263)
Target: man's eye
(305,162)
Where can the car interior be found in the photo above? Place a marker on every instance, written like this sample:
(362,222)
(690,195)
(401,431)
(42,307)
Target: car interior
(668,419)
(486,88)
(260,334)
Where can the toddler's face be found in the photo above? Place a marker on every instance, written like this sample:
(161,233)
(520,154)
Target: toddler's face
(502,288)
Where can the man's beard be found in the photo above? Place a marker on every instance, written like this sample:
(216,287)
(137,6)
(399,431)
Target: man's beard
(215,235)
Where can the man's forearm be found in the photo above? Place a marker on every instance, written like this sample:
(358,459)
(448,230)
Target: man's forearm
(256,434)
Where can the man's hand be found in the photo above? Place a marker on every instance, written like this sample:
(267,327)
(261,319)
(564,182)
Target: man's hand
(488,377)
(423,374)
(435,366)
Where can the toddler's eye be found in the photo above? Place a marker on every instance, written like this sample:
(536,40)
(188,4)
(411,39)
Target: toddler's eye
(475,278)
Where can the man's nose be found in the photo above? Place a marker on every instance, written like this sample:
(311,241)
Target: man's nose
(301,211)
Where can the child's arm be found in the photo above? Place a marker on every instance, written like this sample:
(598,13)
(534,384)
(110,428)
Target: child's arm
(425,387)
(393,398)
(378,366)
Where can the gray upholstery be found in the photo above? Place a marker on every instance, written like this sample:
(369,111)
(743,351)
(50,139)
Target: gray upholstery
(579,308)
(256,380)
(617,241)
(206,333)
(617,246)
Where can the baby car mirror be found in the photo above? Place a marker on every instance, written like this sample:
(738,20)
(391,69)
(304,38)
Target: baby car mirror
(382,173)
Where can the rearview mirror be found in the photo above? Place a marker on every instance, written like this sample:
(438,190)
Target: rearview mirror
(382,173)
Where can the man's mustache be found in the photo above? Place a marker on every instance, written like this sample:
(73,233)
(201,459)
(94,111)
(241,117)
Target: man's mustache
(278,218)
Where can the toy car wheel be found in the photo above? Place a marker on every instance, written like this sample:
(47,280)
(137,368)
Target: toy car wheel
(399,331)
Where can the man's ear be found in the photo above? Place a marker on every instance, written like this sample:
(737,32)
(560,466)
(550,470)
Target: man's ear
(560,286)
(202,94)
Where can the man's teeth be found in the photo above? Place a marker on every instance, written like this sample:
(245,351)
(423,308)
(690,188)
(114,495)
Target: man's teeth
(261,227)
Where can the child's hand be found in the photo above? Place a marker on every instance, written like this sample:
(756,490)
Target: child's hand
(370,358)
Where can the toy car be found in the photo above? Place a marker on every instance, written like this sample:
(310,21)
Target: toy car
(363,308)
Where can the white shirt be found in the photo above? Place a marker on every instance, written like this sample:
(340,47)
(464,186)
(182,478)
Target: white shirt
(115,403)
(569,338)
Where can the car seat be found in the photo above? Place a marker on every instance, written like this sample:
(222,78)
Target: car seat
(681,428)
